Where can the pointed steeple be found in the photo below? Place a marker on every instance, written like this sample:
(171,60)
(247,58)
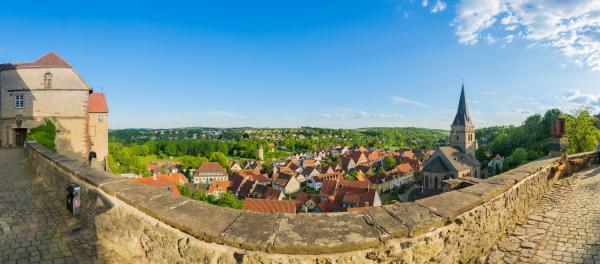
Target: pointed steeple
(462,117)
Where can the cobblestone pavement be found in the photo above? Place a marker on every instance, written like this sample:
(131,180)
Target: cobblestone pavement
(563,228)
(34,229)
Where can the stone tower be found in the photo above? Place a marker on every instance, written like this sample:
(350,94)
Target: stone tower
(462,132)
(261,152)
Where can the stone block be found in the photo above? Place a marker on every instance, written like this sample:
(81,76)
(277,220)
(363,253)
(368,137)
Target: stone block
(251,231)
(199,219)
(324,234)
(119,187)
(138,194)
(417,219)
(382,219)
(487,191)
(451,204)
(97,178)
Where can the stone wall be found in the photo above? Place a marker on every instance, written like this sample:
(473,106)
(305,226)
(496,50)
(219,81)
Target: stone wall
(145,224)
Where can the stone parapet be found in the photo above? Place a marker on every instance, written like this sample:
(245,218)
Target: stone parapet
(147,225)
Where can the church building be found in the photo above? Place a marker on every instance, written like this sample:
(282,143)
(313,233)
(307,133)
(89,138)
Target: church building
(50,88)
(449,164)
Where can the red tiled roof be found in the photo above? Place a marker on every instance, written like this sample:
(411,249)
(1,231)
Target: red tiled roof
(352,183)
(328,188)
(50,60)
(219,186)
(164,181)
(97,103)
(270,206)
(404,168)
(210,167)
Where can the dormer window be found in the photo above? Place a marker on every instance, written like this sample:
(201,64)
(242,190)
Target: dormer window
(48,80)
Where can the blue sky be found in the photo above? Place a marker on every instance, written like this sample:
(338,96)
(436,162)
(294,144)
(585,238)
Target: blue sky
(316,63)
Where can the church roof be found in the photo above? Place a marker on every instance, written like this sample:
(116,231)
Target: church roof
(458,159)
(50,60)
(436,165)
(462,117)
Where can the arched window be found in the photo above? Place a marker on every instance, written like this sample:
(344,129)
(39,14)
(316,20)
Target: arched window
(48,80)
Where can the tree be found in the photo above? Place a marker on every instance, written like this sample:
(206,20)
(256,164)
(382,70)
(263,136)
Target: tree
(518,157)
(581,131)
(184,190)
(351,175)
(380,170)
(44,134)
(389,163)
(220,158)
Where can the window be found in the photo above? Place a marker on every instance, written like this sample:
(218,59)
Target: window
(19,101)
(48,80)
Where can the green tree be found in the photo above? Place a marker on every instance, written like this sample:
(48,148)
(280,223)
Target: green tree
(518,157)
(389,163)
(380,170)
(220,158)
(581,131)
(184,190)
(351,175)
(44,134)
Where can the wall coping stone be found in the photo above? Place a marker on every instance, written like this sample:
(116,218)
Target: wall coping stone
(302,233)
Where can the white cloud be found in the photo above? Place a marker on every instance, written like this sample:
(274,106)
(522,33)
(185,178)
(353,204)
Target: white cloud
(571,27)
(367,115)
(438,7)
(332,115)
(577,97)
(490,39)
(402,100)
(424,3)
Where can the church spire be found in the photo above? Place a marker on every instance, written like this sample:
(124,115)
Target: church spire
(462,117)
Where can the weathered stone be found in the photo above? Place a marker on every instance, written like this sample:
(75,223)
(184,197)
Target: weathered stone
(320,233)
(451,204)
(528,244)
(252,231)
(416,218)
(486,190)
(387,222)
(202,220)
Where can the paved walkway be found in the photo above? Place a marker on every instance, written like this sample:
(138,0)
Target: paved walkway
(564,228)
(34,229)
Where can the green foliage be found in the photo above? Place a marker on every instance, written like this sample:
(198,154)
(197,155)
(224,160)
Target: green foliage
(184,190)
(220,158)
(517,158)
(122,160)
(224,200)
(581,131)
(380,170)
(352,175)
(531,137)
(393,195)
(44,134)
(389,163)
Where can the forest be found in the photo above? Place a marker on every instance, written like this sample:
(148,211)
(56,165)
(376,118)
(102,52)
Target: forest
(530,140)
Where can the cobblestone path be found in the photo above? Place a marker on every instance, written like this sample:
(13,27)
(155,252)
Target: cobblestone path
(33,229)
(564,228)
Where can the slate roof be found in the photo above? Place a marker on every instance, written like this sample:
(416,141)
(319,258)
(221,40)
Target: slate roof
(462,117)
(264,192)
(458,159)
(436,165)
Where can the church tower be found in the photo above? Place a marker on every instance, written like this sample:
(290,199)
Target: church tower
(462,132)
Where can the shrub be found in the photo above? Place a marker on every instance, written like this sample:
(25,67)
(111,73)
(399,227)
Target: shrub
(44,134)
